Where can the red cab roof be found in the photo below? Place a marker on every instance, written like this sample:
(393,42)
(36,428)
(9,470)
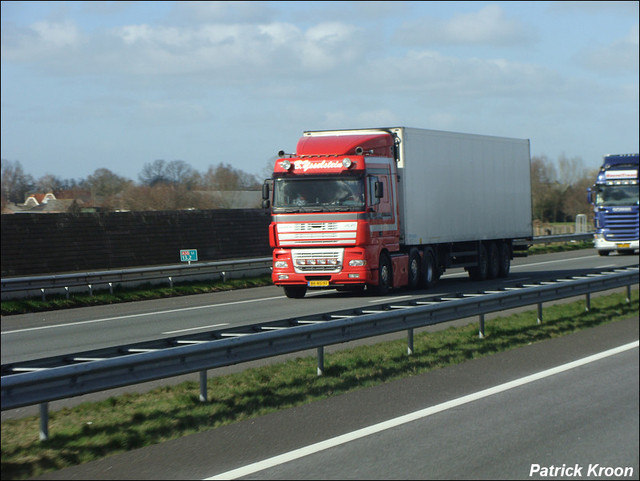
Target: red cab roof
(376,144)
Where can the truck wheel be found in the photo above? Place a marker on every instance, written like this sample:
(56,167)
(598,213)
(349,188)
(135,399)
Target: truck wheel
(295,292)
(494,261)
(385,275)
(505,259)
(479,272)
(430,270)
(414,269)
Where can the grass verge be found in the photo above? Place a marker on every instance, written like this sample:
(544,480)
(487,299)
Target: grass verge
(22,306)
(91,431)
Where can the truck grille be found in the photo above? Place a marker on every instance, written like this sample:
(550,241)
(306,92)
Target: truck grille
(622,226)
(317,260)
(318,233)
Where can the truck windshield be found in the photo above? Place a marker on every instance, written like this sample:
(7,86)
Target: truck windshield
(318,194)
(617,195)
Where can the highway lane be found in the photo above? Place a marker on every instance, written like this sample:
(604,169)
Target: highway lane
(47,334)
(565,401)
(32,336)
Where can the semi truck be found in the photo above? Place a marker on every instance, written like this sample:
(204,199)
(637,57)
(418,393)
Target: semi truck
(390,207)
(615,205)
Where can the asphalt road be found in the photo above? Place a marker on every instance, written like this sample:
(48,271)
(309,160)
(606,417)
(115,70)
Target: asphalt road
(39,335)
(567,402)
(33,336)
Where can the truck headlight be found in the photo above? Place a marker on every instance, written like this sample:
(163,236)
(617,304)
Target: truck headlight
(357,262)
(281,264)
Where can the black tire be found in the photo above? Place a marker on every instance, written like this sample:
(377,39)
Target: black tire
(385,276)
(493,261)
(505,259)
(430,272)
(295,292)
(480,272)
(415,269)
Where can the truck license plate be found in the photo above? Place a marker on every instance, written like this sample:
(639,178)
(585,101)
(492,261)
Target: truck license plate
(624,246)
(318,283)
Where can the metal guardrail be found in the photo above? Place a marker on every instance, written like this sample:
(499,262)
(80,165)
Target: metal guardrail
(45,380)
(134,275)
(146,274)
(550,239)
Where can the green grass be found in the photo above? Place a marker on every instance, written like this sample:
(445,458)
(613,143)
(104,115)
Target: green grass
(91,431)
(559,247)
(53,302)
(120,294)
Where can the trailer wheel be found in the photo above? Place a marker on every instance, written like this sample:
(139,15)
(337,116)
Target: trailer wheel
(414,268)
(505,259)
(430,273)
(479,272)
(493,261)
(385,275)
(295,292)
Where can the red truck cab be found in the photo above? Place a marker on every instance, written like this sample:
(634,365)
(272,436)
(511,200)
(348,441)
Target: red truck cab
(335,214)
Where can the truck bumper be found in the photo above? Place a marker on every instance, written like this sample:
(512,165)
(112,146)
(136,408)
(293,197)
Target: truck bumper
(602,244)
(316,268)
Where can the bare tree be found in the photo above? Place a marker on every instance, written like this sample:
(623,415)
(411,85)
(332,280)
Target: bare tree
(226,177)
(153,173)
(15,183)
(179,172)
(104,183)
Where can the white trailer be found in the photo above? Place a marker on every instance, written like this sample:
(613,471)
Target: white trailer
(457,187)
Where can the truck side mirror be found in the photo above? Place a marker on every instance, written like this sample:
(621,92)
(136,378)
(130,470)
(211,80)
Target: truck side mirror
(379,190)
(265,196)
(589,195)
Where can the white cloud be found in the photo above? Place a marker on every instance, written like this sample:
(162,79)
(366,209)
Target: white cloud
(444,77)
(228,52)
(488,26)
(38,41)
(617,58)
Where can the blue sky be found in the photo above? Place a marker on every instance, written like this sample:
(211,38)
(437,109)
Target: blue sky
(116,85)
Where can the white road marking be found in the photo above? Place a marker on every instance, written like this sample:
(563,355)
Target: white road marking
(388,299)
(407,418)
(129,316)
(196,328)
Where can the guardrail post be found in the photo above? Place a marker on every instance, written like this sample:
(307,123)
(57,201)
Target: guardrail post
(628,293)
(410,342)
(539,320)
(321,361)
(224,276)
(111,288)
(90,289)
(203,386)
(481,329)
(170,282)
(588,306)
(43,296)
(66,292)
(44,421)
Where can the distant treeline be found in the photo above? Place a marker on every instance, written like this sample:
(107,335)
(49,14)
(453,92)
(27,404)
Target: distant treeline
(558,188)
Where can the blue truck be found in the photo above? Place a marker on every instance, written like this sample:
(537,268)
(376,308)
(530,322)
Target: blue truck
(615,205)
